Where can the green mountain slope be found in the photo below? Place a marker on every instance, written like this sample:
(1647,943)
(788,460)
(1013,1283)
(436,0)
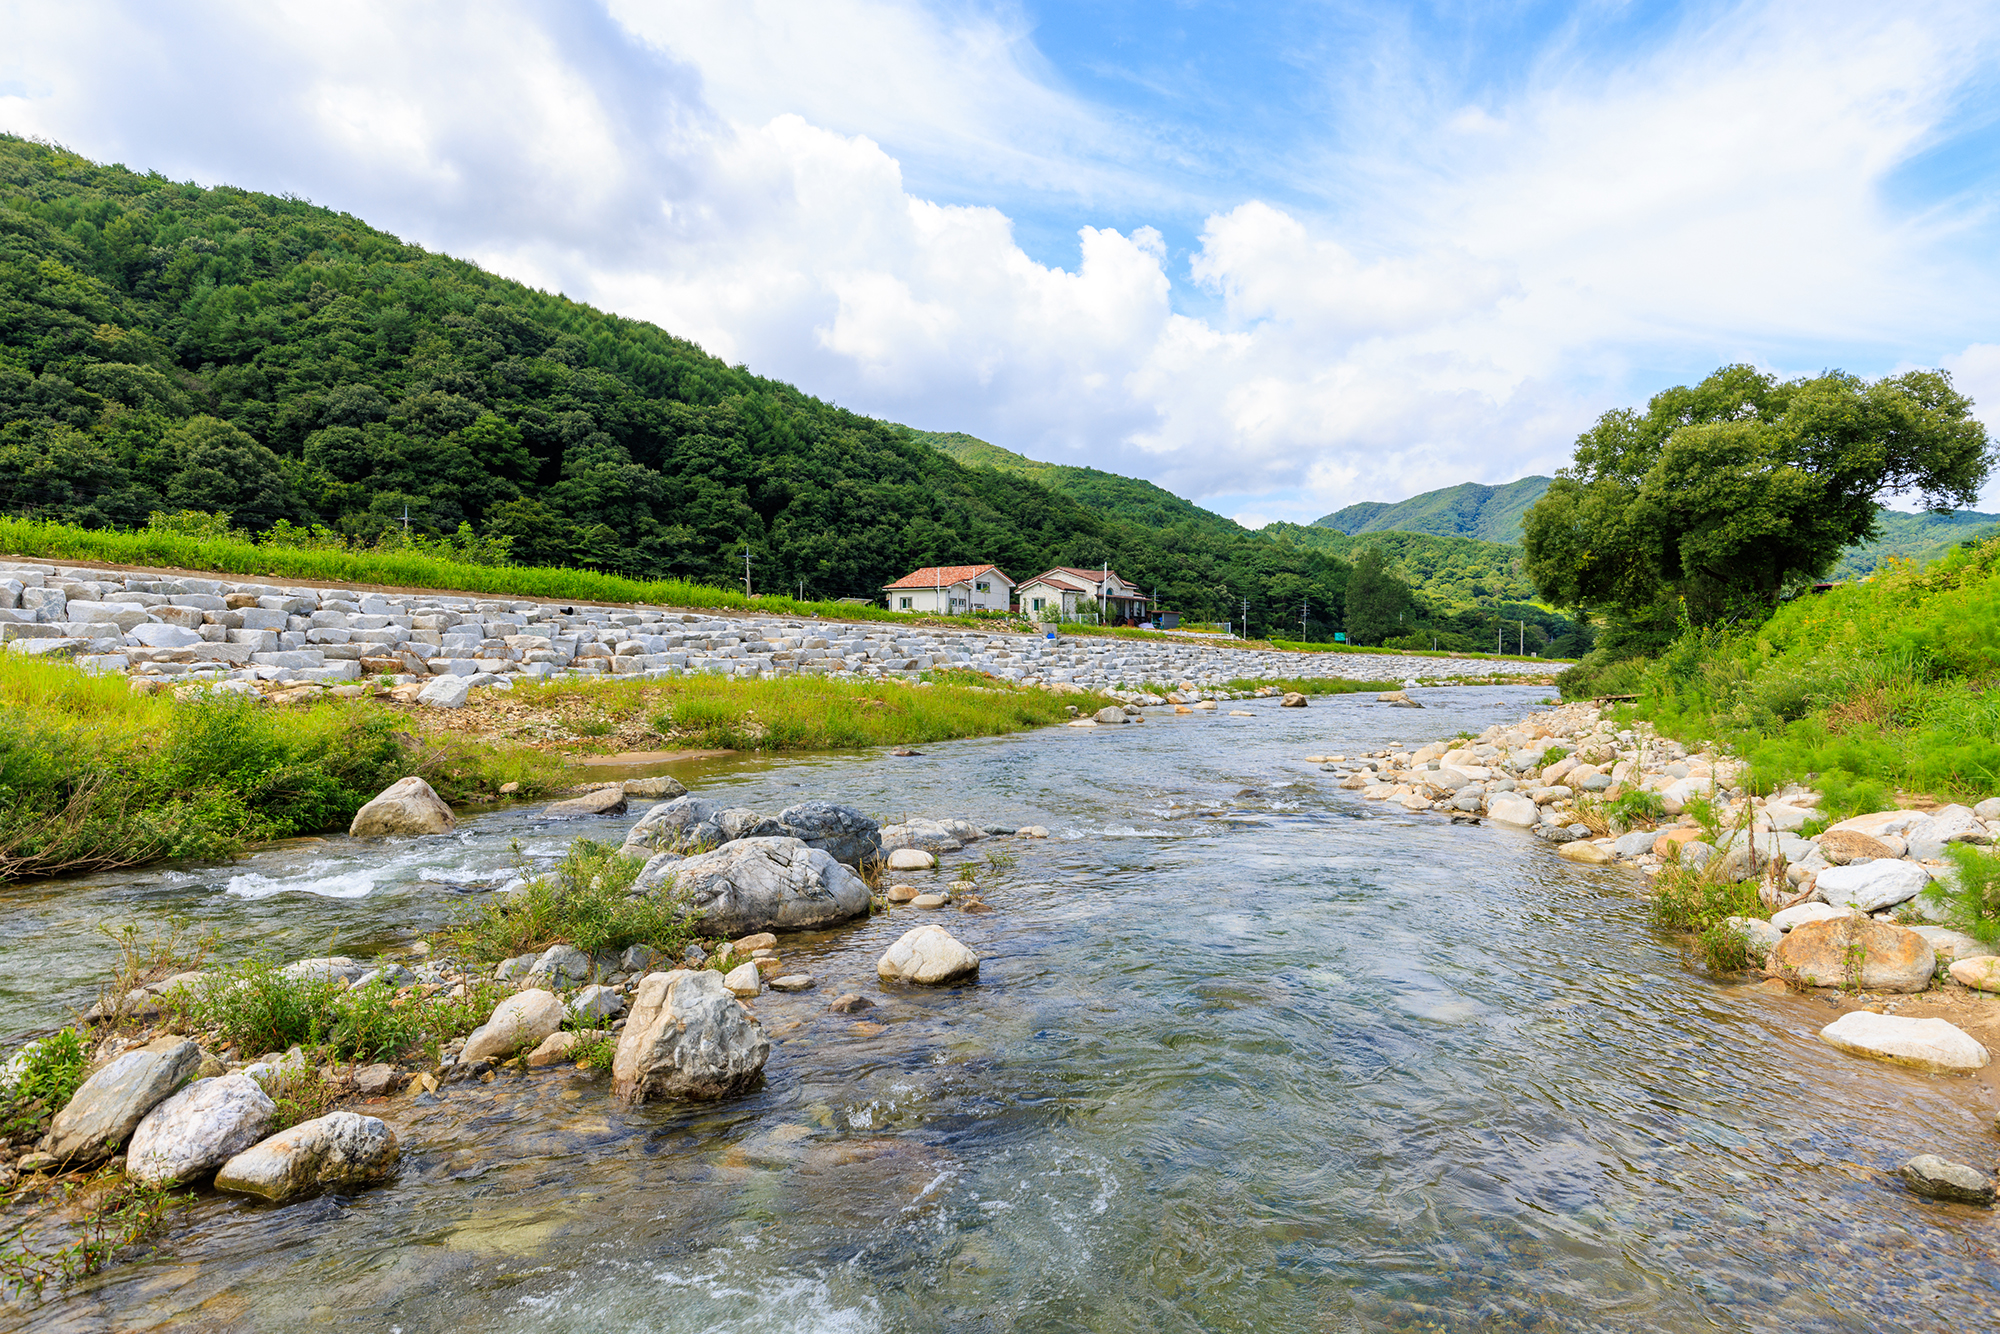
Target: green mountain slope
(1451,573)
(1917,537)
(1129,498)
(1489,513)
(165,346)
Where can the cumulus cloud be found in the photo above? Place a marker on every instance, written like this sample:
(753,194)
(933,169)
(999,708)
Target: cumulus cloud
(735,172)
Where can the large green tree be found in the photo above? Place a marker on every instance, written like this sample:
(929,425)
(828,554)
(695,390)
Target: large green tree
(1722,495)
(1375,599)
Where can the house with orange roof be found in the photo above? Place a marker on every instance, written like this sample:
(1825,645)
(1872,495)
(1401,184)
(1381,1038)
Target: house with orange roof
(1067,592)
(952,590)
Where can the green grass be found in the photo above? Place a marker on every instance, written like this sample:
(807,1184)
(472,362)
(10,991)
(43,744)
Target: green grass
(94,776)
(582,902)
(256,1008)
(809,712)
(1312,685)
(1891,684)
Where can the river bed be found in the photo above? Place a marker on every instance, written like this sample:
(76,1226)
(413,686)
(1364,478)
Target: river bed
(1245,1053)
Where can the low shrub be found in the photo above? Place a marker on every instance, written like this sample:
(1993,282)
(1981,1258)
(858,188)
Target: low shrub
(1635,807)
(1724,949)
(1972,905)
(585,902)
(256,1007)
(39,1080)
(1686,899)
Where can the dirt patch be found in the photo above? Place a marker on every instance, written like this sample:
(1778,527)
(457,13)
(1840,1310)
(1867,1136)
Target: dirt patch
(638,757)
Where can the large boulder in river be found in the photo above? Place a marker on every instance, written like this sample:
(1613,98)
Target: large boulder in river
(842,832)
(406,806)
(338,1149)
(201,1127)
(768,884)
(1513,808)
(929,955)
(687,1038)
(1855,952)
(607,800)
(522,1020)
(930,835)
(112,1102)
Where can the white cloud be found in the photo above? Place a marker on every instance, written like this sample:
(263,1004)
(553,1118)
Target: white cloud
(1509,270)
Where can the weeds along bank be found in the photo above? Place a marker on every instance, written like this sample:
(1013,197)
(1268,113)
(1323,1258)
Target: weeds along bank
(1870,688)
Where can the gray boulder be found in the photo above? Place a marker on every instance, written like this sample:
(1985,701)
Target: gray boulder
(597,801)
(596,1002)
(1510,808)
(406,806)
(769,884)
(682,822)
(201,1127)
(1635,844)
(338,1149)
(657,871)
(520,1021)
(334,967)
(842,832)
(1941,1179)
(112,1102)
(1948,824)
(561,964)
(1758,935)
(742,822)
(1871,886)
(929,835)
(687,1038)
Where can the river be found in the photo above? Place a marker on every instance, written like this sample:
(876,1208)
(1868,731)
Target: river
(1245,1053)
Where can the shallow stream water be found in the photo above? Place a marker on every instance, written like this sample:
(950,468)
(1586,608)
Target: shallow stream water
(1245,1053)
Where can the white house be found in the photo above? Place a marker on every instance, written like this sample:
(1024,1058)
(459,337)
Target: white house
(952,590)
(1065,591)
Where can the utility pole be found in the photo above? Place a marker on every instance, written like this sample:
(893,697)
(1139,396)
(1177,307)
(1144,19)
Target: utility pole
(1521,650)
(1304,606)
(1246,616)
(746,569)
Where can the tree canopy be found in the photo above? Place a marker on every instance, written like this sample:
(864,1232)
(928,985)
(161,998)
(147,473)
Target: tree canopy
(1721,496)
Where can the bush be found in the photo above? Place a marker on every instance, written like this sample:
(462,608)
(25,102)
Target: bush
(1598,675)
(583,902)
(1685,899)
(1724,949)
(1973,905)
(40,1079)
(1635,807)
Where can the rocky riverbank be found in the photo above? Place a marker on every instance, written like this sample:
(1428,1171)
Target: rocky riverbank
(1841,908)
(171,1100)
(165,630)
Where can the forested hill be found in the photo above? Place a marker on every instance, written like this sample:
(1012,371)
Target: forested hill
(1108,493)
(166,346)
(1488,513)
(1915,537)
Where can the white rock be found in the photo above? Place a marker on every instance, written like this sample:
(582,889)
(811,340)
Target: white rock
(1800,913)
(929,955)
(1870,886)
(1878,823)
(1948,824)
(156,634)
(910,859)
(1514,809)
(1922,1044)
(744,981)
(406,806)
(201,1127)
(446,692)
(338,1149)
(105,1111)
(1981,974)
(1759,935)
(522,1020)
(1951,944)
(1786,819)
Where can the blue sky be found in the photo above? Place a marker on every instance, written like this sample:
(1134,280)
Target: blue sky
(1278,257)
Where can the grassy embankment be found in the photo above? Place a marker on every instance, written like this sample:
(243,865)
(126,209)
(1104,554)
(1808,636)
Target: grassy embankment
(94,776)
(1865,691)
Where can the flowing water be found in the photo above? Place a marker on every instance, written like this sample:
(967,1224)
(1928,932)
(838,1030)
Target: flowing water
(1245,1053)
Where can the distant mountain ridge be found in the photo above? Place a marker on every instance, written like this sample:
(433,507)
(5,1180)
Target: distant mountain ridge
(1488,513)
(1129,498)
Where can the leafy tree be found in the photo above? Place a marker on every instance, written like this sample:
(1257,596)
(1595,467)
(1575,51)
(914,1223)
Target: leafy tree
(1374,599)
(1724,495)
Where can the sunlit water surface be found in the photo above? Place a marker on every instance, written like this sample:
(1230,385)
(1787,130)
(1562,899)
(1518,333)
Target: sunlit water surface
(1245,1053)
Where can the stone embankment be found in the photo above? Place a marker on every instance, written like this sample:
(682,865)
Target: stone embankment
(437,646)
(187,1107)
(1844,906)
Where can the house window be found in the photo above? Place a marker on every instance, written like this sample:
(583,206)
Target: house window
(983,588)
(1038,604)
(902,604)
